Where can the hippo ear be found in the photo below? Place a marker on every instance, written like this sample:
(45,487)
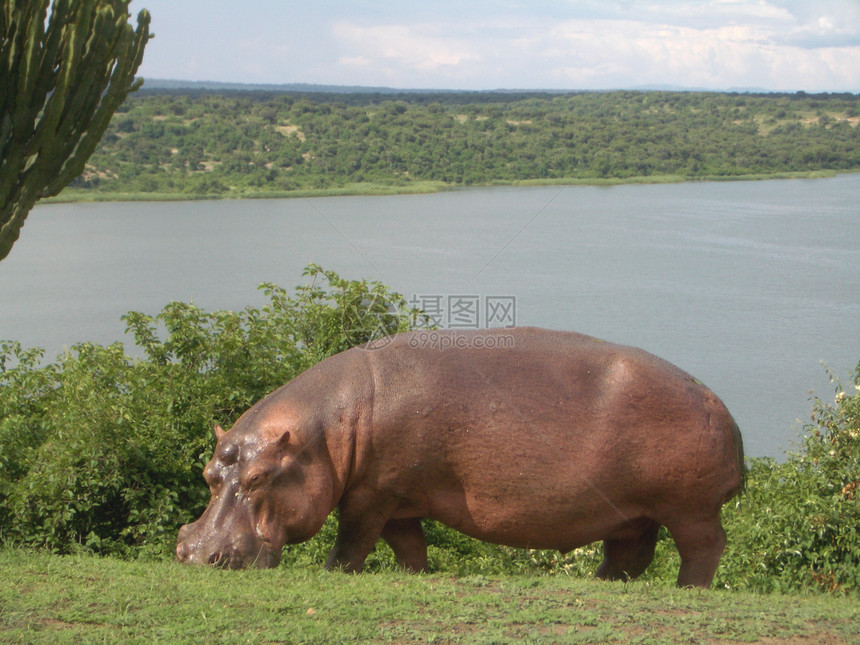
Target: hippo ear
(283,442)
(219,432)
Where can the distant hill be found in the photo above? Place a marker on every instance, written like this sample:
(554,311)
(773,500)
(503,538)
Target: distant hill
(205,141)
(174,84)
(156,84)
(314,88)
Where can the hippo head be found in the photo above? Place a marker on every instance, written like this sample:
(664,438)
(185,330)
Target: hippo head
(267,490)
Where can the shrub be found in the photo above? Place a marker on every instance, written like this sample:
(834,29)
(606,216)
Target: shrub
(798,525)
(104,452)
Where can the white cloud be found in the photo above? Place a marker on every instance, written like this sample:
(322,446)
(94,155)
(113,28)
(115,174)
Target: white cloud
(740,55)
(812,45)
(354,61)
(749,46)
(419,46)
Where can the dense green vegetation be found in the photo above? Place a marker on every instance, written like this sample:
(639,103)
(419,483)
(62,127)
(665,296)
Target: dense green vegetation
(80,599)
(222,143)
(103,453)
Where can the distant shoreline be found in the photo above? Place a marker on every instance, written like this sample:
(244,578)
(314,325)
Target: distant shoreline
(367,189)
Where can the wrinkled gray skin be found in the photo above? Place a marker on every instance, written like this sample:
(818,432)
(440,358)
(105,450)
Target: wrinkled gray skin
(523,437)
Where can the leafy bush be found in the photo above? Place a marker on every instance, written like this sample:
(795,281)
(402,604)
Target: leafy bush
(104,452)
(798,525)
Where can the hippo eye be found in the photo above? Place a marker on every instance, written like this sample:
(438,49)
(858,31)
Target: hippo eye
(255,481)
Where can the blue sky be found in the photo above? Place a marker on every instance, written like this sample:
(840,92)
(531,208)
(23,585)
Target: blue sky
(776,45)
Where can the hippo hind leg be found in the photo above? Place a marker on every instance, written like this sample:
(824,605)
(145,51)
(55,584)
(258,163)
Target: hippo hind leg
(626,557)
(700,545)
(406,539)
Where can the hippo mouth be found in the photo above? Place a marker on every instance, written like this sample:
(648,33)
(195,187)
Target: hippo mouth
(241,553)
(265,559)
(227,559)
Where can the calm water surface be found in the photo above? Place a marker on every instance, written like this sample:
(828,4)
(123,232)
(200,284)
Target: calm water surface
(747,285)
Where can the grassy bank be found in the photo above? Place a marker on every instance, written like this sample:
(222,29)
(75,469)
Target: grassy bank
(84,195)
(53,599)
(129,475)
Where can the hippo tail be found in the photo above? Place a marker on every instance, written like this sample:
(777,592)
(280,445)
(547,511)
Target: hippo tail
(740,461)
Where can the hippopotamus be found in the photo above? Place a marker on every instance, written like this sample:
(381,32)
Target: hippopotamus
(519,436)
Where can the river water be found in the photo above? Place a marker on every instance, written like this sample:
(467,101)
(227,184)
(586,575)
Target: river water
(749,286)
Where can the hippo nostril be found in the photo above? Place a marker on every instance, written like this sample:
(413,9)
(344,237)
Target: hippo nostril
(181,552)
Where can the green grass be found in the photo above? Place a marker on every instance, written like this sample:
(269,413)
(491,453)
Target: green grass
(83,195)
(78,195)
(52,599)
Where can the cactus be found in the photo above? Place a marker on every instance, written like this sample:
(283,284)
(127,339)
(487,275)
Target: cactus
(60,83)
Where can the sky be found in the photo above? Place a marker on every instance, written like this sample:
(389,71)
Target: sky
(772,45)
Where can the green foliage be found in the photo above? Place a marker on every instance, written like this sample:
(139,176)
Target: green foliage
(104,452)
(225,144)
(61,81)
(798,525)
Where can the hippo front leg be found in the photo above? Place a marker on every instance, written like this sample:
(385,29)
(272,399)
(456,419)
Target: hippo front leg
(406,539)
(360,526)
(351,547)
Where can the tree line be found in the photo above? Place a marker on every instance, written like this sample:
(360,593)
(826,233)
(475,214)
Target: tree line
(231,142)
